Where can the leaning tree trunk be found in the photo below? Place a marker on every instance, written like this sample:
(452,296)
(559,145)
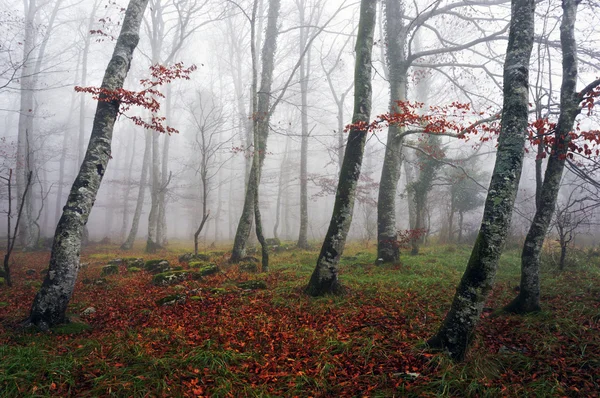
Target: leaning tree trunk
(324,278)
(50,304)
(528,299)
(388,249)
(260,127)
(457,330)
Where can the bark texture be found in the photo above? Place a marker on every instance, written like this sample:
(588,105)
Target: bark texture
(324,278)
(387,234)
(528,299)
(50,304)
(457,330)
(261,119)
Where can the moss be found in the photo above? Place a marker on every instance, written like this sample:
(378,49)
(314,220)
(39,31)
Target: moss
(157,266)
(111,269)
(171,299)
(34,284)
(196,298)
(177,268)
(3,304)
(2,281)
(169,278)
(71,328)
(207,269)
(218,290)
(134,269)
(252,285)
(189,257)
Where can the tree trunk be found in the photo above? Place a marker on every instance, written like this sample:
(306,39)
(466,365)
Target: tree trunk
(50,304)
(137,214)
(152,244)
(388,249)
(324,278)
(528,299)
(457,330)
(261,119)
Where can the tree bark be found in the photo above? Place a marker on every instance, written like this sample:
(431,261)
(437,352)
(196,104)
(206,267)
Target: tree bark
(456,332)
(388,249)
(50,304)
(261,119)
(528,299)
(137,214)
(324,278)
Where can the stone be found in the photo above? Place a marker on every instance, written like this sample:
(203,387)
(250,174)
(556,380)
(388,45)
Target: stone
(157,266)
(169,278)
(273,242)
(252,285)
(110,269)
(171,300)
(189,257)
(133,262)
(249,267)
(117,261)
(208,269)
(88,311)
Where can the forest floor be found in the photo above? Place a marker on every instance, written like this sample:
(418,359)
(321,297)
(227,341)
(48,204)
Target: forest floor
(224,340)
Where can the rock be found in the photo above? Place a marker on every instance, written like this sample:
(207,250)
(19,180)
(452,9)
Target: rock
(249,267)
(189,257)
(157,266)
(133,262)
(30,272)
(169,278)
(273,242)
(252,285)
(116,261)
(88,311)
(110,269)
(101,281)
(208,269)
(171,300)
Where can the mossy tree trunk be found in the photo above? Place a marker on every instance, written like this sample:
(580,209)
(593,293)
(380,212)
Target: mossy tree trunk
(50,304)
(528,299)
(324,278)
(261,119)
(457,330)
(387,234)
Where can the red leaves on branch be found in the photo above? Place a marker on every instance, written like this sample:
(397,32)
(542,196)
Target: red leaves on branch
(148,98)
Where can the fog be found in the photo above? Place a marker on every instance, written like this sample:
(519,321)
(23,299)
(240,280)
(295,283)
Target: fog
(206,162)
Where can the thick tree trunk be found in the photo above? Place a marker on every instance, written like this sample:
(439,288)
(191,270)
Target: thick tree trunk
(261,119)
(388,249)
(50,304)
(457,330)
(137,214)
(528,299)
(324,278)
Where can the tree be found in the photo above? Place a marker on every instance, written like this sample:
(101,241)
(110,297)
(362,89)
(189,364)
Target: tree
(50,304)
(324,278)
(456,331)
(528,299)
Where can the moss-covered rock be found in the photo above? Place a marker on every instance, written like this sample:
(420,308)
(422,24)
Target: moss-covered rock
(134,262)
(252,285)
(117,261)
(189,257)
(171,299)
(207,269)
(177,268)
(169,278)
(134,269)
(273,242)
(249,267)
(157,266)
(110,269)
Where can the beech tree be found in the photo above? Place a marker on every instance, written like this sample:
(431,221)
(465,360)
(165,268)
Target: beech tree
(456,331)
(528,299)
(324,278)
(50,304)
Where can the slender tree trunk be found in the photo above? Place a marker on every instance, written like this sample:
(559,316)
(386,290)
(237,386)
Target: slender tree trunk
(50,304)
(137,214)
(131,155)
(280,188)
(528,299)
(324,278)
(456,332)
(388,249)
(152,242)
(261,127)
(162,197)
